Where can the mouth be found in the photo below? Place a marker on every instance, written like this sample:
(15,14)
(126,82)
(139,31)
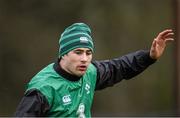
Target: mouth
(82,68)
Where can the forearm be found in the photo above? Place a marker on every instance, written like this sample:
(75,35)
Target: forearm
(113,71)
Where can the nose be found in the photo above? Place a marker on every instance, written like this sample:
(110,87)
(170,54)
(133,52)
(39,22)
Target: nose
(84,57)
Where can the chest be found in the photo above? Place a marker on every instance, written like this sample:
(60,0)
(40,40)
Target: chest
(74,93)
(73,99)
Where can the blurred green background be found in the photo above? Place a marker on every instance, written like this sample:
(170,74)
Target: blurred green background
(29,34)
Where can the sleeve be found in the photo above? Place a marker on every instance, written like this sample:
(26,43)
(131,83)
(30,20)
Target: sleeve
(33,104)
(110,72)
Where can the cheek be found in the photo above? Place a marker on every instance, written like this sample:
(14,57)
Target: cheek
(73,62)
(90,58)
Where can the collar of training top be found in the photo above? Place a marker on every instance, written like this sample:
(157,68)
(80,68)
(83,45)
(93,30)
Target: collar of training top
(63,73)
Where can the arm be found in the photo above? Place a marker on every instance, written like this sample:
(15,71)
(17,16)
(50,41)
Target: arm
(126,67)
(113,71)
(32,104)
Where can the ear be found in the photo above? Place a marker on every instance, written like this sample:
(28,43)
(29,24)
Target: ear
(62,57)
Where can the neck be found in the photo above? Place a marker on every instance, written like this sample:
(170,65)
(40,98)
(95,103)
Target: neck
(65,74)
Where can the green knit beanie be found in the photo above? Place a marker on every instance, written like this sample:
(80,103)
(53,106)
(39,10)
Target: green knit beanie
(78,35)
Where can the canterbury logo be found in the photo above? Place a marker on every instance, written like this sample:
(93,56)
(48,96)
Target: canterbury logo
(83,39)
(66,99)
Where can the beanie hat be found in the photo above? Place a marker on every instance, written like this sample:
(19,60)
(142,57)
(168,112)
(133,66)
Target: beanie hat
(78,35)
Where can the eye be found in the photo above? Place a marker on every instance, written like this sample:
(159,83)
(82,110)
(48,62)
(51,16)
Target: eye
(89,52)
(78,52)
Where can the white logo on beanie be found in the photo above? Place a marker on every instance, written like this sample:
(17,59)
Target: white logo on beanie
(83,40)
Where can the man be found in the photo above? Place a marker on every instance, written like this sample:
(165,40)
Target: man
(66,87)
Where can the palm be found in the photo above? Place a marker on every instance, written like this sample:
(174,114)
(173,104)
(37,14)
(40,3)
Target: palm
(159,43)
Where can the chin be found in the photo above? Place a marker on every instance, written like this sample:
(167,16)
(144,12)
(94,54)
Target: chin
(81,74)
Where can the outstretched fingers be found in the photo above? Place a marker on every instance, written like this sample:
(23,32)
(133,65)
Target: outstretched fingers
(169,40)
(169,35)
(165,34)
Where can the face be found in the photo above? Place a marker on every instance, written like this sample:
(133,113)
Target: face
(76,61)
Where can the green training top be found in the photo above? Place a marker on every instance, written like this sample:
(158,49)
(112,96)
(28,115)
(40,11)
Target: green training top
(66,98)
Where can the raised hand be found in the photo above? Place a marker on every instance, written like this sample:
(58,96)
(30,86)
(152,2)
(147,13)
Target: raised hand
(159,43)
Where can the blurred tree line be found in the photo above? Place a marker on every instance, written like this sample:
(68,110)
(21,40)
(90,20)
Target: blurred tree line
(29,34)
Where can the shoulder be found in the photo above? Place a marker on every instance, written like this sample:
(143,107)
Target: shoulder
(92,67)
(44,81)
(92,70)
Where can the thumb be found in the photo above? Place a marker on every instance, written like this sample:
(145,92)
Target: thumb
(154,44)
(153,50)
